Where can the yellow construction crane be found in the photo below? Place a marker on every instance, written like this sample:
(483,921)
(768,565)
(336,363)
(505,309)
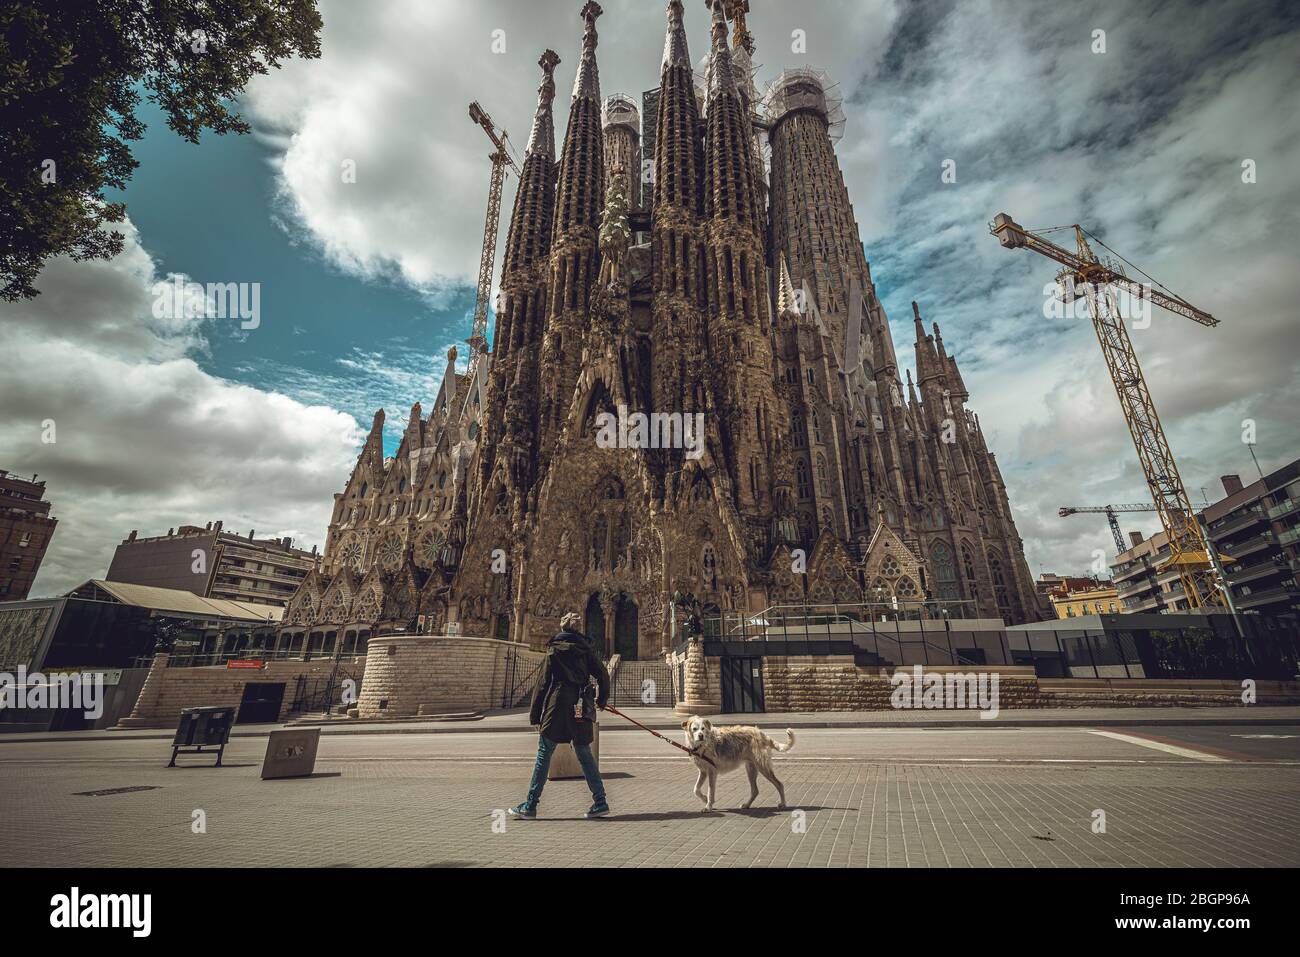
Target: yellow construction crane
(1084,274)
(500,158)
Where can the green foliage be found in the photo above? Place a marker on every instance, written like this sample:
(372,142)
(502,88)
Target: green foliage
(72,73)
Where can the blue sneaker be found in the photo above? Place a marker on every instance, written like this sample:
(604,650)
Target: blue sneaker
(599,809)
(523,812)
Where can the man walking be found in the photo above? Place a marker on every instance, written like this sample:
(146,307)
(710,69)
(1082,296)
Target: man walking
(564,710)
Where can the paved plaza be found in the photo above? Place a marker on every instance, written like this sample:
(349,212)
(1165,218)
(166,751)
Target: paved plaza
(999,796)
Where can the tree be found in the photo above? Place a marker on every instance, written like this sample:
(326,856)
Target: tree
(72,73)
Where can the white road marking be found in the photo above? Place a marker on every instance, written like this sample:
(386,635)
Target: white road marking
(1167,748)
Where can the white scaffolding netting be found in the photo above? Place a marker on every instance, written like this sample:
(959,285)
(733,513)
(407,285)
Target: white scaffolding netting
(805,89)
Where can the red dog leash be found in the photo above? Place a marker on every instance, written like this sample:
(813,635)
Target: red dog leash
(680,747)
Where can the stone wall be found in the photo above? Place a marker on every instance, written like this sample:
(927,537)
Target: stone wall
(167,690)
(835,683)
(1156,693)
(410,675)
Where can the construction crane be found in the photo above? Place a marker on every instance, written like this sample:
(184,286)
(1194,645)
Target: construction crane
(1109,511)
(501,159)
(1084,274)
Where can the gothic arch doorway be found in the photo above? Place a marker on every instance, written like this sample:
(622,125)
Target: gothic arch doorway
(594,625)
(626,617)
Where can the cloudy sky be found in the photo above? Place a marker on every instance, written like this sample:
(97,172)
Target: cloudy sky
(366,284)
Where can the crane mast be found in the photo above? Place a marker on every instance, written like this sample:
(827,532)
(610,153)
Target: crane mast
(500,158)
(1187,550)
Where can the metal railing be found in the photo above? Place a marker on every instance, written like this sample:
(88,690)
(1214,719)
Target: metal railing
(872,628)
(183,659)
(1082,650)
(519,679)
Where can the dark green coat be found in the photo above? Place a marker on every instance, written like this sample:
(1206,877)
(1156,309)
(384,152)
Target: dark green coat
(571,662)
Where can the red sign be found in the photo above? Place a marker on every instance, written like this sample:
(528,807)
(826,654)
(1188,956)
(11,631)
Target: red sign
(245,663)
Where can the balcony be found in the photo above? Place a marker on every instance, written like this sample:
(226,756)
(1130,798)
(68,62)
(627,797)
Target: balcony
(1237,522)
(1289,537)
(1129,572)
(1284,508)
(1150,603)
(1281,594)
(1260,570)
(1250,546)
(1138,588)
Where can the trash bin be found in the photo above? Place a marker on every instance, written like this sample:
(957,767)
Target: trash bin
(203,729)
(564,762)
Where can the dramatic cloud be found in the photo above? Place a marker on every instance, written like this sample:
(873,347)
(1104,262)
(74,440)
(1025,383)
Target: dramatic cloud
(392,90)
(1142,143)
(143,438)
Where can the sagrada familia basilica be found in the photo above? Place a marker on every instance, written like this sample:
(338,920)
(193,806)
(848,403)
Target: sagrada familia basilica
(703,263)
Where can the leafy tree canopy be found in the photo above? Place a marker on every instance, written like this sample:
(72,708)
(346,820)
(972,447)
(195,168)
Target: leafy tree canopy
(72,73)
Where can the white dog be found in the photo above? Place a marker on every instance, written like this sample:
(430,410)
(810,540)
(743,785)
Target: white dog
(728,748)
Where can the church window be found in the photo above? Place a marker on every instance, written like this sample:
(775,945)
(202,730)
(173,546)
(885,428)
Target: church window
(968,567)
(943,567)
(1000,591)
(801,479)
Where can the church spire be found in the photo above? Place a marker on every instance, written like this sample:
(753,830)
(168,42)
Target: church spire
(575,258)
(729,192)
(675,50)
(927,362)
(581,189)
(587,82)
(529,236)
(721,71)
(679,150)
(542,138)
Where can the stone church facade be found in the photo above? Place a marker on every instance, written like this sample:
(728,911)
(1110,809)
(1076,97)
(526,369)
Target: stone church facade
(738,292)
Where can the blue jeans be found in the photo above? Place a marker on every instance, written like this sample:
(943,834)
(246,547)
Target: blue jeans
(546,748)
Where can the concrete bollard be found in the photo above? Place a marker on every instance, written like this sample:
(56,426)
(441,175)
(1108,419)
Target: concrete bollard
(564,762)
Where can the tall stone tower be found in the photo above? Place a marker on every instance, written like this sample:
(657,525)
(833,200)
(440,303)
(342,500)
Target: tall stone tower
(752,423)
(575,259)
(510,420)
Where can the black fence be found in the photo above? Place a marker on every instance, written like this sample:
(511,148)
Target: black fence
(1105,646)
(187,659)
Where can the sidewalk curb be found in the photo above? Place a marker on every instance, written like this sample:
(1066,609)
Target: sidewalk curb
(938,724)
